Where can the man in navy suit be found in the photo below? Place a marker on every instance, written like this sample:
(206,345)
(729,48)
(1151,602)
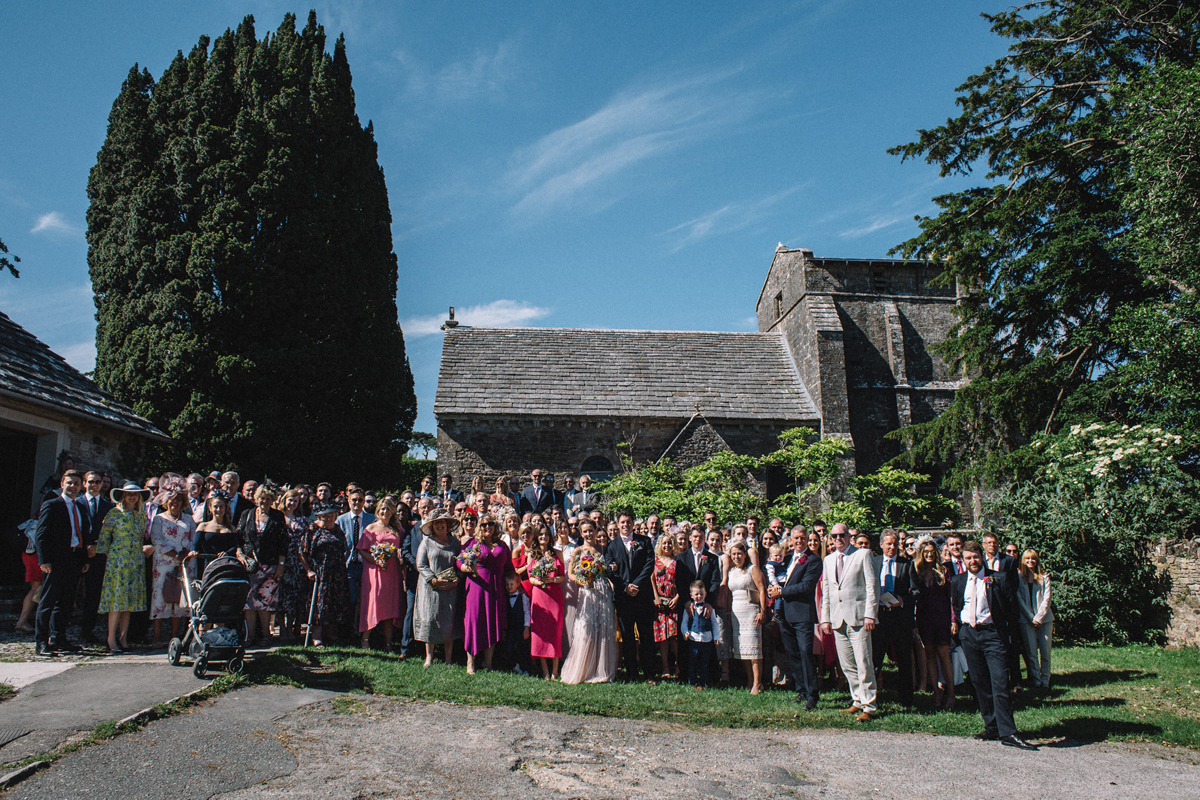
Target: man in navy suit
(798,589)
(450,496)
(536,498)
(984,607)
(630,558)
(352,524)
(895,622)
(93,579)
(62,538)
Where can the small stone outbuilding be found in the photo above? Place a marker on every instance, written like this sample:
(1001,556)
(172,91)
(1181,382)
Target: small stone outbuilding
(844,347)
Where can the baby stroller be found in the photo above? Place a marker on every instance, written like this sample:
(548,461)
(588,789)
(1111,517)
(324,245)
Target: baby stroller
(218,597)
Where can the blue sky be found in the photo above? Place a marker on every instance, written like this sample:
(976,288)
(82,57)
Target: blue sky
(612,165)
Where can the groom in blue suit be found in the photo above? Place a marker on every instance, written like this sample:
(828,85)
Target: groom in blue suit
(798,589)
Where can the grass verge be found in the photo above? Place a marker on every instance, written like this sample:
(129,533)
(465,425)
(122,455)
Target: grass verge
(6,691)
(1137,694)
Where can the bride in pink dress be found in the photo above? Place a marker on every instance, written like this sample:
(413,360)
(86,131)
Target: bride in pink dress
(593,655)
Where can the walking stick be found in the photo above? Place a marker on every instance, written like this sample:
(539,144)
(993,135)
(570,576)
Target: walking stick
(312,605)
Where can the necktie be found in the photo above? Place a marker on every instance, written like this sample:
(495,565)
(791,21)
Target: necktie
(73,513)
(93,502)
(889,581)
(841,558)
(971,605)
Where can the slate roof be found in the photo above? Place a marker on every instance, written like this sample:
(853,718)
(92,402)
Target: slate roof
(31,371)
(619,373)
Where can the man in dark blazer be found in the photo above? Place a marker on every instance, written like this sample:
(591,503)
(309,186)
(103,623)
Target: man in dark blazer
(62,538)
(697,563)
(450,496)
(984,608)
(630,558)
(93,579)
(798,590)
(895,621)
(996,561)
(536,498)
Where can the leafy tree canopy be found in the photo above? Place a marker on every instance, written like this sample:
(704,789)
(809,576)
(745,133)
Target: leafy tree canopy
(241,256)
(1052,246)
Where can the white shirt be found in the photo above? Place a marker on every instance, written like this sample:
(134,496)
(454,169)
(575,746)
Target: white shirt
(889,568)
(975,605)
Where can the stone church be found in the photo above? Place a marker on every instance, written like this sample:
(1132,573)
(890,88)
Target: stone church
(843,347)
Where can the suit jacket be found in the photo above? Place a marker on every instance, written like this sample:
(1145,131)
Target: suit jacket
(1001,597)
(856,596)
(346,523)
(52,536)
(583,500)
(1007,564)
(902,588)
(635,567)
(800,590)
(408,552)
(103,506)
(531,504)
(686,571)
(452,499)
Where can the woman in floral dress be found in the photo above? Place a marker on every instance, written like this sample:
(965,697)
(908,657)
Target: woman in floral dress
(264,537)
(172,532)
(324,559)
(121,538)
(294,589)
(666,604)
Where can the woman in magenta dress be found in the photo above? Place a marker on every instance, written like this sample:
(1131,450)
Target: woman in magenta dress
(382,596)
(546,625)
(486,600)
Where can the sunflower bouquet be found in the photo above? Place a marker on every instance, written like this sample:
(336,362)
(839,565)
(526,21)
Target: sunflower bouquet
(587,569)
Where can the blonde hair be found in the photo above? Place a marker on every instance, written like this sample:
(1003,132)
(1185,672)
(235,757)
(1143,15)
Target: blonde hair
(495,531)
(393,523)
(919,562)
(1025,572)
(665,546)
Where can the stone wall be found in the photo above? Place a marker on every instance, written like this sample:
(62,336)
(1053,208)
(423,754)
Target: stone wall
(1181,561)
(493,446)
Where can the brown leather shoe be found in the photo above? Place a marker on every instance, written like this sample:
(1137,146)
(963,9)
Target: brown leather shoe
(865,716)
(851,710)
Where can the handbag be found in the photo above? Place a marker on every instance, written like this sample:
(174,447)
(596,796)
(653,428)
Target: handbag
(172,588)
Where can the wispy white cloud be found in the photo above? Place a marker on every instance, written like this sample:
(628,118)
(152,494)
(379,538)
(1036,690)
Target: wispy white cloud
(81,355)
(877,224)
(635,125)
(730,217)
(484,75)
(496,314)
(54,223)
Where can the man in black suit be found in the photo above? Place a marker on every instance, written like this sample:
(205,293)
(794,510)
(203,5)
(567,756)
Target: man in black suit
(535,498)
(995,561)
(630,558)
(93,579)
(62,537)
(895,622)
(984,607)
(798,590)
(450,496)
(697,563)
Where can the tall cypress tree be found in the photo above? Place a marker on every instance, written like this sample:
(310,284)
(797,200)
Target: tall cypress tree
(241,256)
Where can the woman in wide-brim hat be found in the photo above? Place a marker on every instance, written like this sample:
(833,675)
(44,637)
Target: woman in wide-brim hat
(121,538)
(436,619)
(323,557)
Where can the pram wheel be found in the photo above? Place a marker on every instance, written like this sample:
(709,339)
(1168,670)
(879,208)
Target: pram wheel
(235,665)
(200,667)
(174,652)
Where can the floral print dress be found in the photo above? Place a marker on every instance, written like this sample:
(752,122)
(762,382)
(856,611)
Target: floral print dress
(666,621)
(168,534)
(121,536)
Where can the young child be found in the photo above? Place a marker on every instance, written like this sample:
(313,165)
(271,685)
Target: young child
(776,571)
(516,639)
(699,628)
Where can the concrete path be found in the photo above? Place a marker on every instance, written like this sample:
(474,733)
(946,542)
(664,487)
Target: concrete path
(252,745)
(75,698)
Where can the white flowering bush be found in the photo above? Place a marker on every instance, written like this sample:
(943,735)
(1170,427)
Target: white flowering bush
(1099,499)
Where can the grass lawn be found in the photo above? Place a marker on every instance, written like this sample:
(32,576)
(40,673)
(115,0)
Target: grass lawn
(1142,694)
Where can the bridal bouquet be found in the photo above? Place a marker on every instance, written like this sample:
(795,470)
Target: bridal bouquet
(543,569)
(587,569)
(380,553)
(469,556)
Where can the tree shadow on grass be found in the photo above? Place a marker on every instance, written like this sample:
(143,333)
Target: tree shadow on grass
(1058,702)
(1078,731)
(1099,677)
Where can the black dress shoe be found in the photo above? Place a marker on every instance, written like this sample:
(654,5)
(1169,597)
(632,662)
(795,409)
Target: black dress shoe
(66,647)
(986,736)
(1012,740)
(44,649)
(810,705)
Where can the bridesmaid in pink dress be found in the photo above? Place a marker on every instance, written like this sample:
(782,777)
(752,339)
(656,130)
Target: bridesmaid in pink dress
(486,600)
(546,626)
(382,594)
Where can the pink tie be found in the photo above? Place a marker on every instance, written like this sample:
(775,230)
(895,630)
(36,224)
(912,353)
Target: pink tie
(841,558)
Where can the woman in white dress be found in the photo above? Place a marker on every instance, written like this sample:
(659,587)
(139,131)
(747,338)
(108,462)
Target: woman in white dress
(748,612)
(593,656)
(173,534)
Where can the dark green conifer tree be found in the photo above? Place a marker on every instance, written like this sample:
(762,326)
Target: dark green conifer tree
(241,256)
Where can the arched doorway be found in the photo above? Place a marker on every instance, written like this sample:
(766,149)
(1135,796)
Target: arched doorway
(598,468)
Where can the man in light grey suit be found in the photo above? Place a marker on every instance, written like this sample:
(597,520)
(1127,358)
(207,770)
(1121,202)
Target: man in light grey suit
(352,524)
(849,603)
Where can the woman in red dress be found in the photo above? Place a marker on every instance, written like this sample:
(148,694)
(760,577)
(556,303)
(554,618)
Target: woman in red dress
(666,604)
(546,618)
